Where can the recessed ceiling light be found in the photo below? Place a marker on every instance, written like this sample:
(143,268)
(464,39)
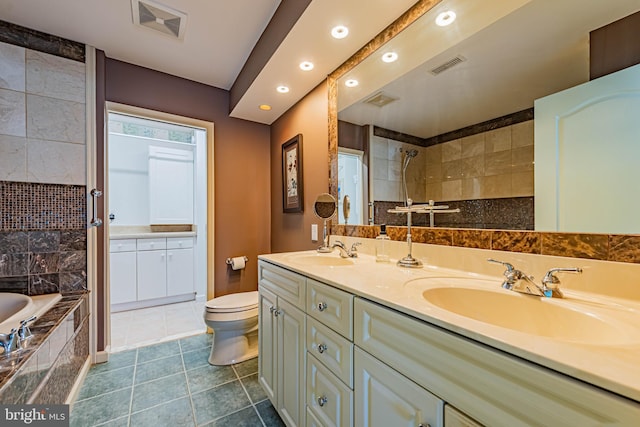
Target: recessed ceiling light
(282,89)
(265,107)
(446,18)
(340,32)
(306,66)
(389,57)
(351,83)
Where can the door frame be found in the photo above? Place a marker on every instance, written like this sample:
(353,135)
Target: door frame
(103,301)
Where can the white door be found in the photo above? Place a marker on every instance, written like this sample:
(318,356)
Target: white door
(291,363)
(384,397)
(267,343)
(350,183)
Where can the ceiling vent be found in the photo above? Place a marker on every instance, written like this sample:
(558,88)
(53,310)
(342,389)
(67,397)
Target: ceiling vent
(379,99)
(447,65)
(159,17)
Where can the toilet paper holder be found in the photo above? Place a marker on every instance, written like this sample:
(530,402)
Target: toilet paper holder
(228,260)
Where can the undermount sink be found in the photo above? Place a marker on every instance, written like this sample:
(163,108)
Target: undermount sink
(321,260)
(566,319)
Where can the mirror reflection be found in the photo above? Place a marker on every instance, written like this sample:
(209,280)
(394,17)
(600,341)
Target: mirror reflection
(325,207)
(454,112)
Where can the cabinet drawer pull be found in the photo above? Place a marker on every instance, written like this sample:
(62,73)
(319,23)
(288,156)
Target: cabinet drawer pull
(322,306)
(322,348)
(272,309)
(277,312)
(322,400)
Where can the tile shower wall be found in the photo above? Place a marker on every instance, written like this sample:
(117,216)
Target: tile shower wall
(42,168)
(489,165)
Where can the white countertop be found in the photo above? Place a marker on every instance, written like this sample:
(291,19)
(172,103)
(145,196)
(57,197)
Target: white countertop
(612,367)
(151,235)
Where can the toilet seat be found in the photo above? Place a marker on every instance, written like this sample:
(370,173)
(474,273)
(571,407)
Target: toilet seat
(233,303)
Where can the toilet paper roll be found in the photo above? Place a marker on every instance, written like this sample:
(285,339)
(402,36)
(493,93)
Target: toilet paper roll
(237,263)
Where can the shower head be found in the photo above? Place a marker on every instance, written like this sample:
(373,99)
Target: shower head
(408,155)
(411,153)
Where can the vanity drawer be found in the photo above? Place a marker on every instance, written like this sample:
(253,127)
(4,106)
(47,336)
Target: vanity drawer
(151,244)
(332,349)
(179,242)
(331,306)
(478,379)
(122,245)
(328,399)
(284,283)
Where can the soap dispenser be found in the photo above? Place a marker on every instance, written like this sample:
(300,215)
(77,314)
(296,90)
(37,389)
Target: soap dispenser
(382,245)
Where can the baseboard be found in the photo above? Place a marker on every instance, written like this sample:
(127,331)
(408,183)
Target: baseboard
(75,390)
(102,356)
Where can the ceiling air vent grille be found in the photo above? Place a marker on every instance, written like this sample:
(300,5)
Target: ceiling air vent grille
(158,17)
(447,65)
(379,99)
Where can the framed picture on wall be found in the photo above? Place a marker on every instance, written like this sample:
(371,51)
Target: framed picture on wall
(292,188)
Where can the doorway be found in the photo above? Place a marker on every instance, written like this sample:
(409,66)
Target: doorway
(157,235)
(351,186)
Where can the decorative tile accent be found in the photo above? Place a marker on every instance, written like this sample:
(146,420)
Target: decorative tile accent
(32,39)
(624,248)
(44,241)
(621,248)
(32,206)
(480,239)
(516,241)
(592,246)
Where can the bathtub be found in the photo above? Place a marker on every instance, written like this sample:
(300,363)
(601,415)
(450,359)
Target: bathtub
(16,307)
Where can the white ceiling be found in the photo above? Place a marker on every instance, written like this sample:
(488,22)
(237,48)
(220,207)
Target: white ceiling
(218,40)
(540,48)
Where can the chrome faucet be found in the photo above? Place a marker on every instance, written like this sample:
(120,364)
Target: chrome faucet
(10,341)
(516,280)
(344,252)
(24,333)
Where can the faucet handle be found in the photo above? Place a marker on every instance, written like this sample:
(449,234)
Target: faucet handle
(508,266)
(354,246)
(24,332)
(551,279)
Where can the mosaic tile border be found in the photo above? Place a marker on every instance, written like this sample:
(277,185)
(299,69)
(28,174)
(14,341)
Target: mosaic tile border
(34,206)
(604,247)
(42,42)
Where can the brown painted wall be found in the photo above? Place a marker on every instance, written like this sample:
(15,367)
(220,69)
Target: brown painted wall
(241,153)
(614,46)
(309,117)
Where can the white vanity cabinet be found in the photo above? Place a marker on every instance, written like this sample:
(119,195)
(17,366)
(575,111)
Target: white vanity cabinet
(281,337)
(488,385)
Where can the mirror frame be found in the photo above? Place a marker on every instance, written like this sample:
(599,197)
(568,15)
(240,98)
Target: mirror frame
(608,247)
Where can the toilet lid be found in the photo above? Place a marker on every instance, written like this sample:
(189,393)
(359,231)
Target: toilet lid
(231,303)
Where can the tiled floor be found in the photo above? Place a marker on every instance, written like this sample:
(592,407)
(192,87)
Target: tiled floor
(136,328)
(172,384)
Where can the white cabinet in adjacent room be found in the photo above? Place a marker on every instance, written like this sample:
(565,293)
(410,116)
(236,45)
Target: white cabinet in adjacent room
(122,271)
(180,266)
(152,274)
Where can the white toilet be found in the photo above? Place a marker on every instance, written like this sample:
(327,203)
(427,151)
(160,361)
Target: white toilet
(234,320)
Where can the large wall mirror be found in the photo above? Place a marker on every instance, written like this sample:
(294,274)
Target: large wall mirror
(453,112)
